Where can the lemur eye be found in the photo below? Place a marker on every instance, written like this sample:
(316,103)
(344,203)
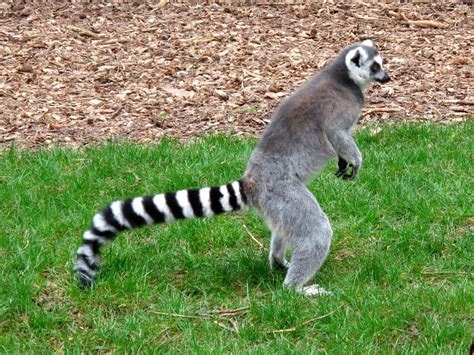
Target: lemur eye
(375,67)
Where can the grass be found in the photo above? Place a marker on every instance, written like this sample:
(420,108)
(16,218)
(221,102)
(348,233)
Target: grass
(401,263)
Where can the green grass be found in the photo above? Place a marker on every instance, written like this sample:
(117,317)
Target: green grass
(401,263)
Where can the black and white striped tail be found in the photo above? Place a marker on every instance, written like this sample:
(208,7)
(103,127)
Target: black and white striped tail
(161,208)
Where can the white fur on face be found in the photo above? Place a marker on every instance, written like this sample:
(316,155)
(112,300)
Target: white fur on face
(380,74)
(368,43)
(360,74)
(378,59)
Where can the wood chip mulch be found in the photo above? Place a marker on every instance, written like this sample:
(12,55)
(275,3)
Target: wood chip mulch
(79,73)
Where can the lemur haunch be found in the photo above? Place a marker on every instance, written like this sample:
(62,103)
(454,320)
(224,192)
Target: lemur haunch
(307,129)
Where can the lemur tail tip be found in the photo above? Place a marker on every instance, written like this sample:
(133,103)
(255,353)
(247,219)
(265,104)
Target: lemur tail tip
(85,281)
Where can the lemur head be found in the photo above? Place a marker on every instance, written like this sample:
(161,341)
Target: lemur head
(364,64)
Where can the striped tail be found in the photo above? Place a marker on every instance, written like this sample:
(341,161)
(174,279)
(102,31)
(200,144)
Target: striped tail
(161,208)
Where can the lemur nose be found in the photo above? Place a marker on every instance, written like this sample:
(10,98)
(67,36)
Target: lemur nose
(385,79)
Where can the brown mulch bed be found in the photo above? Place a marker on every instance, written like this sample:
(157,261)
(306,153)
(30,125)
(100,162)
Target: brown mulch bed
(78,73)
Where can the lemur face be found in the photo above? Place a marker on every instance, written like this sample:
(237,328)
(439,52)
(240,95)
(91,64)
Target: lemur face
(377,71)
(364,64)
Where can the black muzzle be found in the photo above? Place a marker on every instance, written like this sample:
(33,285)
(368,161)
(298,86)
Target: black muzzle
(384,79)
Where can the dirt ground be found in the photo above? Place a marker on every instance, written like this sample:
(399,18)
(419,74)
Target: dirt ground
(79,73)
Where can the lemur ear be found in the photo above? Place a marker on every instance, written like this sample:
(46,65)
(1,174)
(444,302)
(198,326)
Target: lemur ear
(356,58)
(368,43)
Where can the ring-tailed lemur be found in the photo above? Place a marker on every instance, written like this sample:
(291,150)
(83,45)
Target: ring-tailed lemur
(307,129)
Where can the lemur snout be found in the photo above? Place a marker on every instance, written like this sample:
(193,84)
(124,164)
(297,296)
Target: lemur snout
(385,79)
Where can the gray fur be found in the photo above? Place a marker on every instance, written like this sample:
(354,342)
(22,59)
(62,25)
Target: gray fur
(307,129)
(310,127)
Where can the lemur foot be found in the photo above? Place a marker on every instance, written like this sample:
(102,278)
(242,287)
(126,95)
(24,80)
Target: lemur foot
(314,290)
(278,264)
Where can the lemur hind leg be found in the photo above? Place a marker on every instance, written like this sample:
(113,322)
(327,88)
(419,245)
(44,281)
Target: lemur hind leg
(294,210)
(278,248)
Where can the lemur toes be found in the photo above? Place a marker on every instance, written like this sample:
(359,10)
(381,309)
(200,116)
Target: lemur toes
(314,290)
(276,264)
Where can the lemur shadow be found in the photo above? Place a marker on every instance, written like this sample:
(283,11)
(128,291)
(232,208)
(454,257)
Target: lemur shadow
(235,274)
(195,274)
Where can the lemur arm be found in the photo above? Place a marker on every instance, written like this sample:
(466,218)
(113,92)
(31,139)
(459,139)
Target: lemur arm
(347,151)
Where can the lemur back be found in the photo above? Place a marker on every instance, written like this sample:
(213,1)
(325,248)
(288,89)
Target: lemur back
(310,127)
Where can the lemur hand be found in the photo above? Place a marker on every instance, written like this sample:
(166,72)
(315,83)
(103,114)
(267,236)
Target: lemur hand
(343,165)
(343,170)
